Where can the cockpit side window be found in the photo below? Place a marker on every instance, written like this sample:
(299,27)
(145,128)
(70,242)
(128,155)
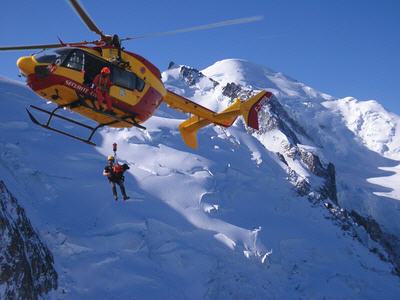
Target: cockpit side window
(75,61)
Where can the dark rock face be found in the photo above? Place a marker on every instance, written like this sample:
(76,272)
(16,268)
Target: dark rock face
(328,190)
(286,123)
(368,232)
(191,76)
(233,90)
(26,265)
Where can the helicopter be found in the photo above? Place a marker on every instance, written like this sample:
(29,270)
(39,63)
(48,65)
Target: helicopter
(63,74)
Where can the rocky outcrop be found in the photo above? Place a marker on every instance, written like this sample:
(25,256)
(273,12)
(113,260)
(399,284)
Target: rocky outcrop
(26,264)
(233,90)
(314,164)
(192,76)
(389,242)
(284,122)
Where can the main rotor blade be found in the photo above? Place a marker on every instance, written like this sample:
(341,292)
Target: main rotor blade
(197,28)
(85,17)
(46,46)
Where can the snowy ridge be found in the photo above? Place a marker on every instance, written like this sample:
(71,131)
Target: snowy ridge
(256,77)
(201,224)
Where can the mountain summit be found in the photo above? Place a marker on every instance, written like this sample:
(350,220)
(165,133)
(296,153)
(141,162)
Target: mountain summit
(250,75)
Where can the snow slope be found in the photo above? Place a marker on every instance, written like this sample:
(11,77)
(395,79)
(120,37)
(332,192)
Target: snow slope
(221,222)
(360,138)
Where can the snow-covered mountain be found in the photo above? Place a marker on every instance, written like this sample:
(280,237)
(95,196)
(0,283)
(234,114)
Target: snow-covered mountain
(304,208)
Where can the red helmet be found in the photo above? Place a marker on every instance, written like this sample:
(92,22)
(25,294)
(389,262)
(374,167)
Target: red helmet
(105,70)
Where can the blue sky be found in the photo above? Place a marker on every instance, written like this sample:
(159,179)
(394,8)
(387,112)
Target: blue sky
(341,47)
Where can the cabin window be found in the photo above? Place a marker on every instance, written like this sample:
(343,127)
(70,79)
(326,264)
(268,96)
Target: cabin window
(140,84)
(127,80)
(55,56)
(123,78)
(75,61)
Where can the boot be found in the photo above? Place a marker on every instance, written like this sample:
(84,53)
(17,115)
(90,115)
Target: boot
(124,195)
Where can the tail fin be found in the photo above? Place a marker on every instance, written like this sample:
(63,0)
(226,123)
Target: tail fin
(248,109)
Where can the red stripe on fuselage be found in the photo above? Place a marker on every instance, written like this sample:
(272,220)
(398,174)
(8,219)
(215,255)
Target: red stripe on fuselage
(37,83)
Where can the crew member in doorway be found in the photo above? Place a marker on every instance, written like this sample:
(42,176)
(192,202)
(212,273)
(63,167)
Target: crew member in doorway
(103,83)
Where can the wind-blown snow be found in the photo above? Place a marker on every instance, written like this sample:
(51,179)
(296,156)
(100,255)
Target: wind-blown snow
(201,224)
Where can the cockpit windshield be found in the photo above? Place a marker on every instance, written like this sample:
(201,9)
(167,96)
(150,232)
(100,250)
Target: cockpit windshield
(55,56)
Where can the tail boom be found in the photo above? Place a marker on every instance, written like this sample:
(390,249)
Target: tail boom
(203,116)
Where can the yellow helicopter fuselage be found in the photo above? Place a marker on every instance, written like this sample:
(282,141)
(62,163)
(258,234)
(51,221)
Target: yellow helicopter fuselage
(65,77)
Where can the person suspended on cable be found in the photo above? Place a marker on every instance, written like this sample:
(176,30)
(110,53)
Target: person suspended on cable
(115,175)
(102,83)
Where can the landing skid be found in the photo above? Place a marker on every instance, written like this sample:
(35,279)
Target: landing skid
(52,114)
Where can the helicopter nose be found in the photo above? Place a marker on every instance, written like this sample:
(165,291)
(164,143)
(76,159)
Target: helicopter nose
(26,64)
